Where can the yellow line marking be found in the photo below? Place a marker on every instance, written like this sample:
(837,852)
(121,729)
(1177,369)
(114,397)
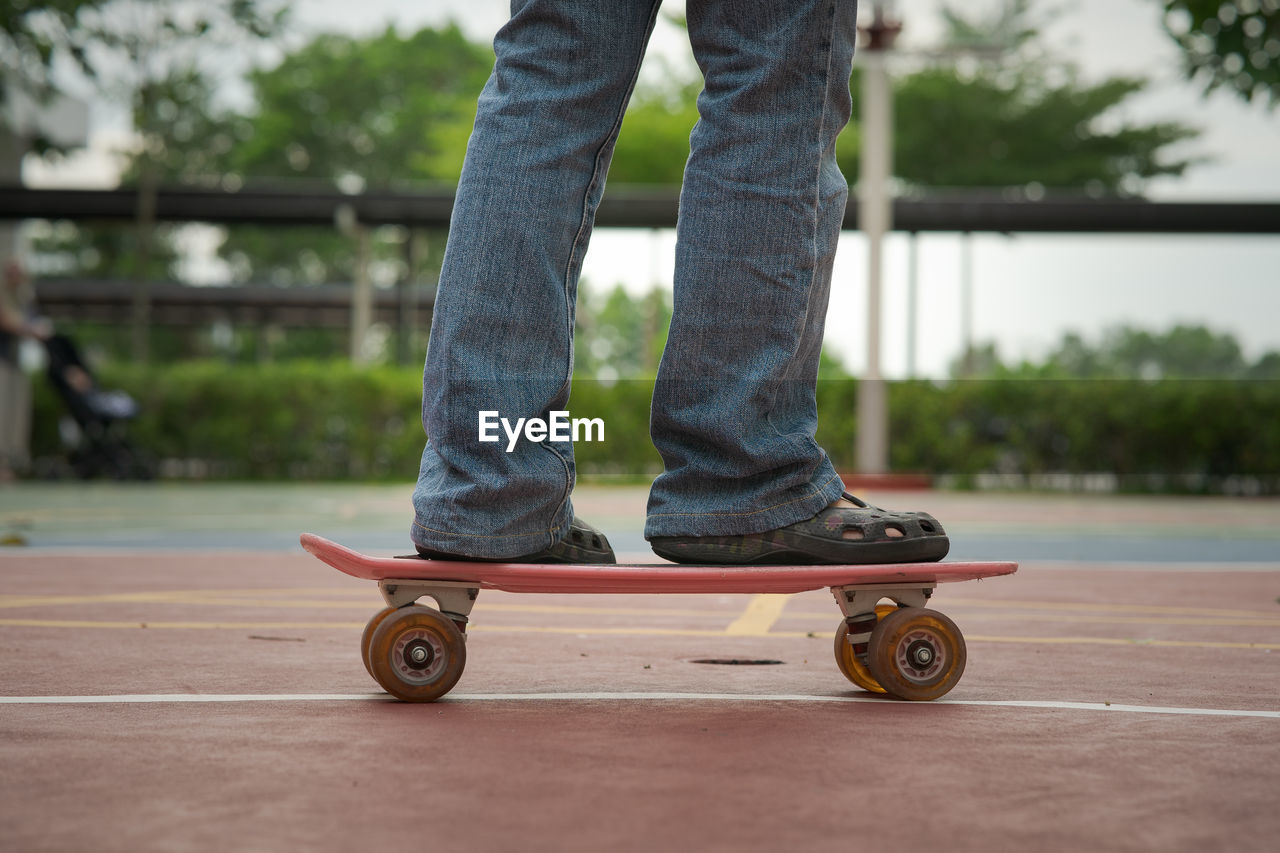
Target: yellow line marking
(365,594)
(762,611)
(607,631)
(113,598)
(173,596)
(1104,607)
(484,607)
(759,617)
(233,626)
(589,611)
(207,598)
(298,626)
(619,631)
(1119,641)
(1103,641)
(1088,618)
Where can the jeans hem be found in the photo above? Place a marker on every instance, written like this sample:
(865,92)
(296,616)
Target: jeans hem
(488,545)
(800,508)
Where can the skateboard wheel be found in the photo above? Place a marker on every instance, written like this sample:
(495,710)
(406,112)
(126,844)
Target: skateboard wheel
(416,654)
(848,662)
(916,653)
(367,636)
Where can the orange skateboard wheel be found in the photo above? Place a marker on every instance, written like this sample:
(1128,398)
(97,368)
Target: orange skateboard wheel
(916,654)
(417,654)
(848,661)
(367,636)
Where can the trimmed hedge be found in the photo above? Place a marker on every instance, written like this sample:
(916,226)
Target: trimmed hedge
(293,420)
(335,421)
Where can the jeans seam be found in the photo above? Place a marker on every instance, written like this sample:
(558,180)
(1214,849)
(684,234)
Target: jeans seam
(816,490)
(568,484)
(817,207)
(595,180)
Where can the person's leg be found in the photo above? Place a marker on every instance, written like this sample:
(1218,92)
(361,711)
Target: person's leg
(734,412)
(502,331)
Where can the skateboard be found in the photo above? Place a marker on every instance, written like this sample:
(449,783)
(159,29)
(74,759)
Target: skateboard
(902,649)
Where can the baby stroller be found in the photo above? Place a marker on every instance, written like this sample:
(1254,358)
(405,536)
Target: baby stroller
(96,432)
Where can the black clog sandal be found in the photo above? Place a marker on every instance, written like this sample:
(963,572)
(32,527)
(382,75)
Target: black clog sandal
(860,535)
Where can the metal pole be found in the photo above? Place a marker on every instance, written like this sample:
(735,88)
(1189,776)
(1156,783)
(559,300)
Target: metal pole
(12,149)
(913,286)
(875,211)
(407,299)
(966,305)
(361,298)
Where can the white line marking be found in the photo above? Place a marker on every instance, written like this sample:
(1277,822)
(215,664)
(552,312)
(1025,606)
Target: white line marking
(155,698)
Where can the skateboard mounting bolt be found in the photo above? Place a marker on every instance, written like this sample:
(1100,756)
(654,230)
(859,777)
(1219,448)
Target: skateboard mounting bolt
(920,654)
(419,655)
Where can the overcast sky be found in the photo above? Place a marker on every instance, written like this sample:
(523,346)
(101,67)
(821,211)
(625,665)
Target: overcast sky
(1028,289)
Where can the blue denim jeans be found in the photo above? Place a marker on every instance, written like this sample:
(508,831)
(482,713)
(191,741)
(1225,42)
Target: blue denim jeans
(733,412)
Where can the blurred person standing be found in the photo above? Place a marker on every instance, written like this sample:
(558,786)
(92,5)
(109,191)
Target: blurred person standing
(18,319)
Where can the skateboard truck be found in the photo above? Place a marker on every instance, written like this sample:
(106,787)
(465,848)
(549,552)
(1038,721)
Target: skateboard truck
(858,604)
(454,599)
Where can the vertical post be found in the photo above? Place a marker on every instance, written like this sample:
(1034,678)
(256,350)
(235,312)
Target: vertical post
(655,257)
(875,219)
(967,365)
(361,298)
(650,352)
(913,286)
(13,147)
(144,229)
(407,300)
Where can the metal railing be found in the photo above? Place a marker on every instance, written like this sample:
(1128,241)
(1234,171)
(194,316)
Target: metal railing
(645,207)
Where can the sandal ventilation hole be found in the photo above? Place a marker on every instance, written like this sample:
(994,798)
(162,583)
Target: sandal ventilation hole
(894,531)
(852,533)
(927,527)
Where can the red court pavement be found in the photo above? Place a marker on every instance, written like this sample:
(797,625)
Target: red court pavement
(581,723)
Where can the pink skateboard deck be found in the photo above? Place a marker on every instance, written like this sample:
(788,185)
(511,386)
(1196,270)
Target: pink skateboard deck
(641,578)
(903,649)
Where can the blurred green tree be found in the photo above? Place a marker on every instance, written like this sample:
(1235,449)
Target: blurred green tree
(1232,45)
(620,336)
(653,142)
(184,151)
(384,111)
(31,38)
(996,108)
(1000,130)
(364,112)
(159,58)
(1266,367)
(1006,28)
(1127,352)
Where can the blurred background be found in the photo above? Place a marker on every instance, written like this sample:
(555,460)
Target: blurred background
(221,224)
